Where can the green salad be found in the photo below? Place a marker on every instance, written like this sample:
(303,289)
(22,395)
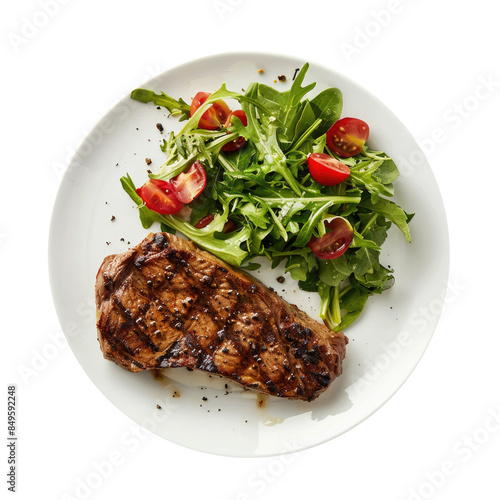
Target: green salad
(284,177)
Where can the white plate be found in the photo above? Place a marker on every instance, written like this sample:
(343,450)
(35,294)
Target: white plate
(385,344)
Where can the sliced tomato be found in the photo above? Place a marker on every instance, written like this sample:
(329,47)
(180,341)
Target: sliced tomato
(159,196)
(347,136)
(326,170)
(229,226)
(204,221)
(214,116)
(189,185)
(239,113)
(333,244)
(238,142)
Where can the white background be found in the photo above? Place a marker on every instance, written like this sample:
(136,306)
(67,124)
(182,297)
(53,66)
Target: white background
(435,64)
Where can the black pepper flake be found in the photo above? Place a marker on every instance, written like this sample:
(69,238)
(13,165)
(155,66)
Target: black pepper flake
(149,171)
(122,239)
(282,78)
(280,279)
(158,406)
(148,161)
(108,242)
(113,217)
(159,126)
(158,107)
(204,398)
(295,73)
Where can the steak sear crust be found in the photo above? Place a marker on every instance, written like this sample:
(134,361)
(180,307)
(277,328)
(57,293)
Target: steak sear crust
(166,303)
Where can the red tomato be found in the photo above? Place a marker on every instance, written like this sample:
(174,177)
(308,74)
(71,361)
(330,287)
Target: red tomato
(214,116)
(158,195)
(204,221)
(189,185)
(239,113)
(229,226)
(237,143)
(327,170)
(346,137)
(333,244)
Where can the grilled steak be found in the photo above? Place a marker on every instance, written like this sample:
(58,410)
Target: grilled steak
(165,303)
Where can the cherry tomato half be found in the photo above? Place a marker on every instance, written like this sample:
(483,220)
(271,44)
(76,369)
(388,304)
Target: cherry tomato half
(347,136)
(238,142)
(158,195)
(333,244)
(214,116)
(204,221)
(326,170)
(189,185)
(229,226)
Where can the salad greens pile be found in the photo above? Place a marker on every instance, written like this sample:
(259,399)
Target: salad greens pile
(266,190)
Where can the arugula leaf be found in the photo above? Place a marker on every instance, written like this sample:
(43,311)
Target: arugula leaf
(292,99)
(329,309)
(327,106)
(352,301)
(364,174)
(175,107)
(182,155)
(329,275)
(386,173)
(364,260)
(263,136)
(300,265)
(378,280)
(302,121)
(390,211)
